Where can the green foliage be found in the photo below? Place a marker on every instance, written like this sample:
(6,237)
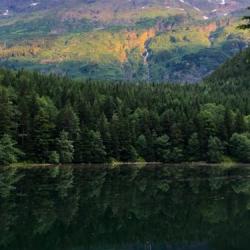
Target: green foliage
(194,147)
(9,153)
(7,111)
(68,121)
(111,44)
(54,157)
(90,148)
(238,68)
(162,147)
(215,150)
(240,125)
(247,122)
(240,147)
(65,148)
(141,145)
(55,119)
(43,130)
(177,155)
(210,121)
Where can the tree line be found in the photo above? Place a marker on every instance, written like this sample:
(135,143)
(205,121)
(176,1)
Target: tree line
(52,119)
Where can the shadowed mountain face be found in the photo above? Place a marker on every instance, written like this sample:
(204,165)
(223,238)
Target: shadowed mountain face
(152,40)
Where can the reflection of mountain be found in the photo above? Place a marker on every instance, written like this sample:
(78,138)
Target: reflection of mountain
(125,208)
(186,40)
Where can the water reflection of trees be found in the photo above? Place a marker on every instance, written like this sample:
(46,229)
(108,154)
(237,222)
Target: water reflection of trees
(98,207)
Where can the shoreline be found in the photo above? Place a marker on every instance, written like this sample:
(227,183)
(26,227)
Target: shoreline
(119,164)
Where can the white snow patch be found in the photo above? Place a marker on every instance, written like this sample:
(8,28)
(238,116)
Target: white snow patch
(196,8)
(6,13)
(34,4)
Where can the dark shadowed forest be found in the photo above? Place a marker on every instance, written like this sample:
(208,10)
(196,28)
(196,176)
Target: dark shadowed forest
(52,119)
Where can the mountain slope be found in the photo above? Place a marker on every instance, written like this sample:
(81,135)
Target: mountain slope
(236,68)
(133,40)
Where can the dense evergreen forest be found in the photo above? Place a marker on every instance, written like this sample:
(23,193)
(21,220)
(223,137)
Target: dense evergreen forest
(57,120)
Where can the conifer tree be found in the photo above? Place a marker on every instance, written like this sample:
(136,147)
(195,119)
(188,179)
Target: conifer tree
(215,150)
(9,153)
(65,148)
(68,121)
(7,112)
(44,129)
(240,147)
(194,149)
(162,146)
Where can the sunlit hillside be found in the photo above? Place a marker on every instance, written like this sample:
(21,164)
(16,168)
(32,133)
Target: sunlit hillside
(149,40)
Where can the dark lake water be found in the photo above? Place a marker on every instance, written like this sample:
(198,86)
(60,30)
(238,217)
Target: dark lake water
(125,208)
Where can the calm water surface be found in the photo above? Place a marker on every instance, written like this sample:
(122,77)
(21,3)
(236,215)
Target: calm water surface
(125,208)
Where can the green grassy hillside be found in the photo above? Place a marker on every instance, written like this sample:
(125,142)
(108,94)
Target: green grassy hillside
(148,40)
